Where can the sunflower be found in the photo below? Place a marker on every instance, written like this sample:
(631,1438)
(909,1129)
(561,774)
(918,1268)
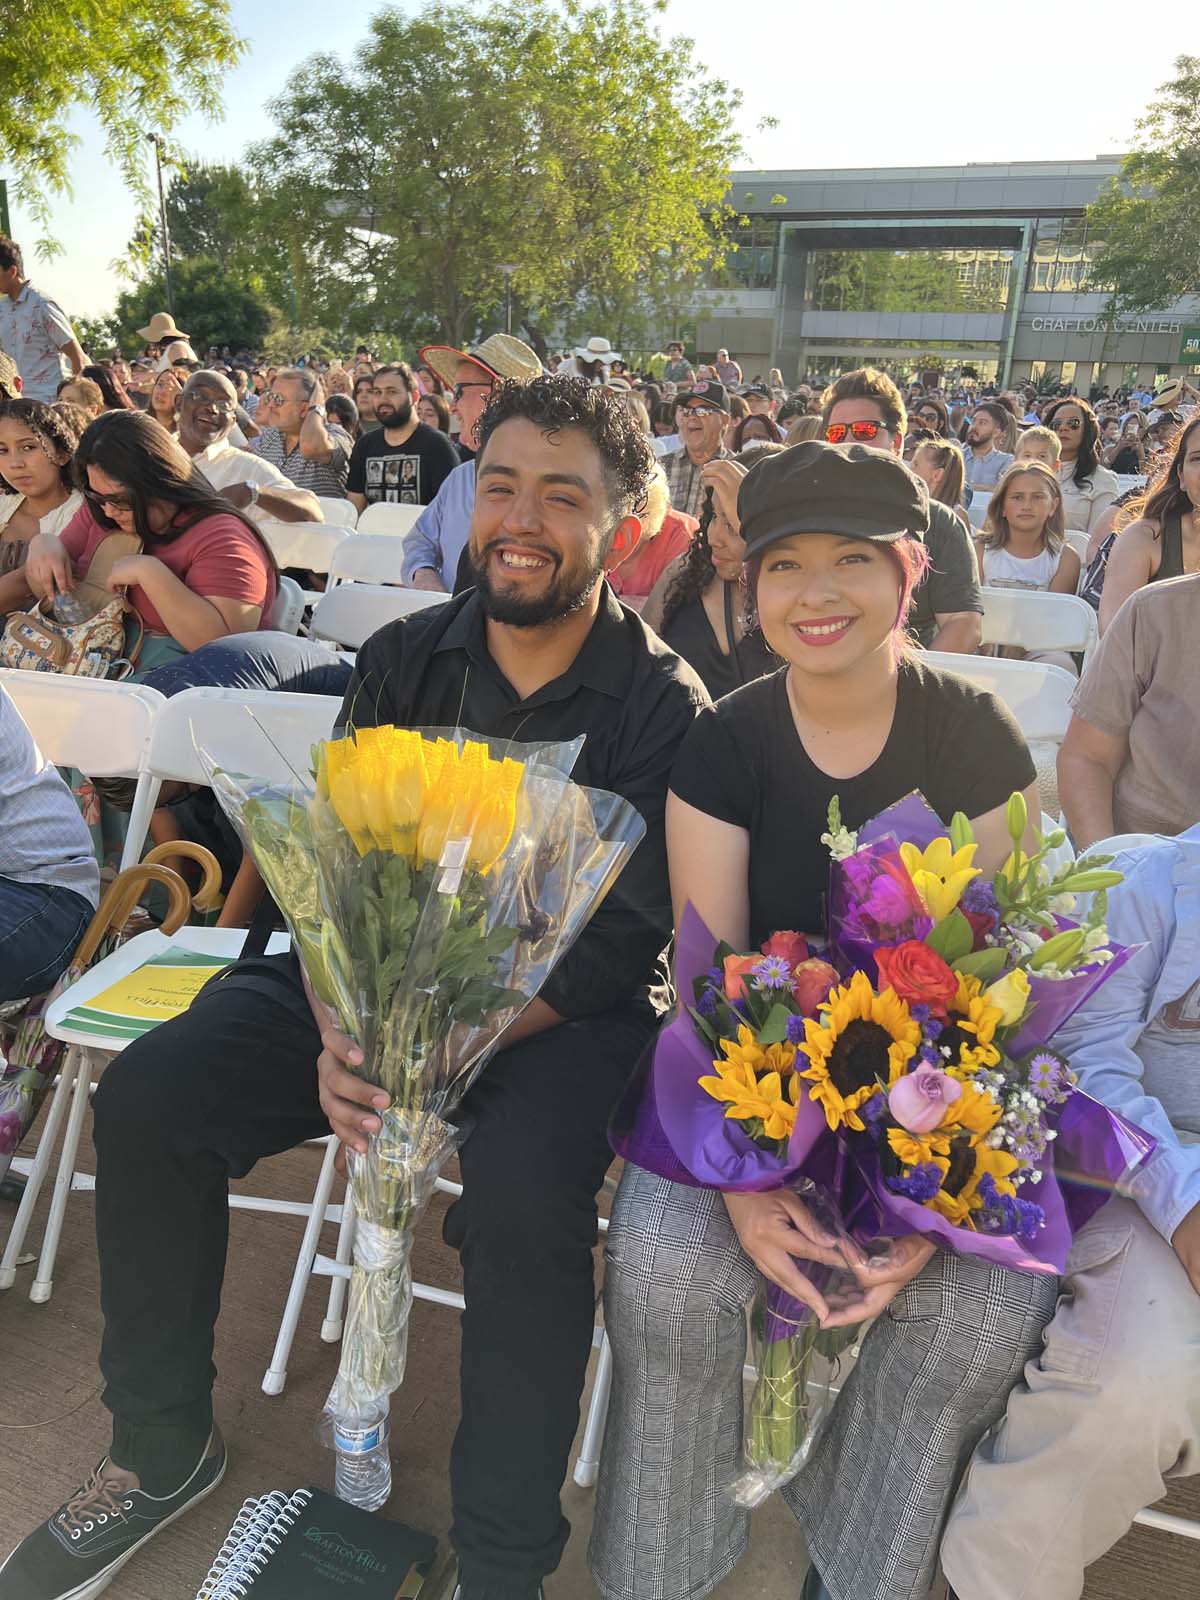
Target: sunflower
(758,1086)
(863,1040)
(965,1043)
(756,1058)
(974,1110)
(969,1161)
(919,1149)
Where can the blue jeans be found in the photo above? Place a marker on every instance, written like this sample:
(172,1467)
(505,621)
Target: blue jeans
(40,925)
(263,660)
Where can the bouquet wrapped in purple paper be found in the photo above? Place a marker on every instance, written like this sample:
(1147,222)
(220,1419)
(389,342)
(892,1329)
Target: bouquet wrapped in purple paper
(905,1079)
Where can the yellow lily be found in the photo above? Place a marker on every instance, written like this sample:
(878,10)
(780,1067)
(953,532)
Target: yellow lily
(940,873)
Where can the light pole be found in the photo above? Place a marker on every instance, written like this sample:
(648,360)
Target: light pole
(156,141)
(508,271)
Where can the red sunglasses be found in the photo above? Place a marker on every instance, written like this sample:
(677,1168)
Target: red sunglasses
(860,432)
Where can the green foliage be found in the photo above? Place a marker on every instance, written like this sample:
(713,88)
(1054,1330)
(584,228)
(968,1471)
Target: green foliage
(572,142)
(214,304)
(1147,216)
(139,64)
(99,336)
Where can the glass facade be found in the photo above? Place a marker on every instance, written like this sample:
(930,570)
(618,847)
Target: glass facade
(976,280)
(752,256)
(1060,261)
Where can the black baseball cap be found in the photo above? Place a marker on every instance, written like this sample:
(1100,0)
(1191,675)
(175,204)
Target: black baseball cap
(758,389)
(709,392)
(816,487)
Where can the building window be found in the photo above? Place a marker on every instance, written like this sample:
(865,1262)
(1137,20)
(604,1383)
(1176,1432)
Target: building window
(1062,255)
(752,254)
(909,280)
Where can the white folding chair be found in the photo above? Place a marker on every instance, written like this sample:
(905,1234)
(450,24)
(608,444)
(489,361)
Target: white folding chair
(977,510)
(103,728)
(1039,696)
(1034,619)
(387,518)
(367,558)
(351,613)
(309,545)
(337,511)
(1130,480)
(288,611)
(1079,543)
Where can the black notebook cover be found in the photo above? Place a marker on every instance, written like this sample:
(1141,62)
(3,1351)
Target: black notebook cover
(336,1549)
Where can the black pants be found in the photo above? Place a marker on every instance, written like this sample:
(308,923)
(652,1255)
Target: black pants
(203,1097)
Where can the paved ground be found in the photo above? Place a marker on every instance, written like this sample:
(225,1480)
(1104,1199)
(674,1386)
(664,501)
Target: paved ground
(52,1427)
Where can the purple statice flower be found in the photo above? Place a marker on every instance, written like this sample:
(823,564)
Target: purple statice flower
(773,972)
(980,899)
(920,1013)
(929,1056)
(795,1030)
(707,1005)
(1047,1078)
(875,1115)
(921,1185)
(1032,1219)
(716,976)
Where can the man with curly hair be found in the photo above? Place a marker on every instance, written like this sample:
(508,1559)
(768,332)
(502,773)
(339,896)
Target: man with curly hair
(538,651)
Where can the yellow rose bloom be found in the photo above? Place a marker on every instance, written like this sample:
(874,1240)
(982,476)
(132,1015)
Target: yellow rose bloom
(1010,995)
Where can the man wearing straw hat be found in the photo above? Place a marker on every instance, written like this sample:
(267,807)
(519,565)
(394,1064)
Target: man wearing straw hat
(433,548)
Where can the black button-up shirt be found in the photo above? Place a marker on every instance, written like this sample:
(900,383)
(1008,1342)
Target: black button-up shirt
(631,698)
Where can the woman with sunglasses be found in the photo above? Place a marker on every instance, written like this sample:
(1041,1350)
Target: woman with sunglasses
(1159,536)
(834,547)
(931,413)
(1088,488)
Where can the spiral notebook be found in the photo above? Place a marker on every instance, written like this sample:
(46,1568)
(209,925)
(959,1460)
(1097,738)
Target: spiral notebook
(307,1545)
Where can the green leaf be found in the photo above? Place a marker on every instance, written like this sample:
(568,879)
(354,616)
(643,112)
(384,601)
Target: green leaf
(986,965)
(952,938)
(774,1029)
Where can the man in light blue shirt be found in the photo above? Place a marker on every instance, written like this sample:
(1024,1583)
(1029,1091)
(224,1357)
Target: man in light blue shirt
(1111,1409)
(34,331)
(436,541)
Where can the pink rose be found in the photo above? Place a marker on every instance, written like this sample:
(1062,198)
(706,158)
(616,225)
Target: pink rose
(735,968)
(811,982)
(788,946)
(918,1101)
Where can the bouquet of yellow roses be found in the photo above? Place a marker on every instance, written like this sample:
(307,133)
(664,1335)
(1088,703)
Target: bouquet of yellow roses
(430,881)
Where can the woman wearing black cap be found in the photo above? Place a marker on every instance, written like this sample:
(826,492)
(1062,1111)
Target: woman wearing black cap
(833,552)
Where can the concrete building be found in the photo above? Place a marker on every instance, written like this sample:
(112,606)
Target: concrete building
(982,266)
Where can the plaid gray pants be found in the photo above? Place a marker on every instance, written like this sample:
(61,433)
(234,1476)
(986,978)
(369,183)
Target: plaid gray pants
(934,1375)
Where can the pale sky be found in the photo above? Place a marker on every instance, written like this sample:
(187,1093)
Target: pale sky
(851,86)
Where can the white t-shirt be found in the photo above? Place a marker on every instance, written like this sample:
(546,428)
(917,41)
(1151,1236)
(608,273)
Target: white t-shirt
(1003,570)
(53,521)
(222,464)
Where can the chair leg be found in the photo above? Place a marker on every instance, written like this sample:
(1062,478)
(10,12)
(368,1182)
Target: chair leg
(43,1283)
(331,1328)
(59,1102)
(276,1374)
(588,1463)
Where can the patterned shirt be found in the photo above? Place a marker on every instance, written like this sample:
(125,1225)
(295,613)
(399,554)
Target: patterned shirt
(43,838)
(322,477)
(33,331)
(685,483)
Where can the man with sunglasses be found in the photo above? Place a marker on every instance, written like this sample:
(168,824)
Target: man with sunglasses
(865,407)
(296,438)
(434,547)
(703,416)
(984,459)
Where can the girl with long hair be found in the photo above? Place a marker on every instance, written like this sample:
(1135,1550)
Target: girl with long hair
(939,464)
(1158,535)
(1023,544)
(36,445)
(834,541)
(163,404)
(433,411)
(112,390)
(1088,489)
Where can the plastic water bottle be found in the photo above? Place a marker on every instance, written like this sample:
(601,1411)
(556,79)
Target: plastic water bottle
(363,1467)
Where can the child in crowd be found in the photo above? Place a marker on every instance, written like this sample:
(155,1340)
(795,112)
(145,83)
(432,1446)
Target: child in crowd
(36,446)
(1039,444)
(1023,544)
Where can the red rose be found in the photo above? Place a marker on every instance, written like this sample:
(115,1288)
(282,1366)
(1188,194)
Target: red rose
(788,946)
(982,923)
(917,974)
(735,969)
(811,982)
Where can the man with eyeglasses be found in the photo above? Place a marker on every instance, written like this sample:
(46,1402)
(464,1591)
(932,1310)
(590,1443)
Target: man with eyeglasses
(865,407)
(296,438)
(433,549)
(985,460)
(703,416)
(207,408)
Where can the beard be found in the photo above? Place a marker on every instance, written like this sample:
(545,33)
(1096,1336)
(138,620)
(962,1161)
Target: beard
(568,591)
(395,416)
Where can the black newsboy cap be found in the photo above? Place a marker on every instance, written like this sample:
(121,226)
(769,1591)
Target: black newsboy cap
(816,487)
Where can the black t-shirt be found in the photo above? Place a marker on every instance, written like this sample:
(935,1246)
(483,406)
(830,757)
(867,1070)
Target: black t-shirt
(407,474)
(952,582)
(743,762)
(630,698)
(690,634)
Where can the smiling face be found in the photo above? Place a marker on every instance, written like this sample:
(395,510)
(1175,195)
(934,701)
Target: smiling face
(542,525)
(25,462)
(827,603)
(206,414)
(472,389)
(701,428)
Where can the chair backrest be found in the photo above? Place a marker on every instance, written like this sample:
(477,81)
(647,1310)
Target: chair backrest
(386,517)
(1037,693)
(1079,543)
(1034,619)
(264,733)
(288,611)
(977,510)
(102,728)
(302,544)
(352,612)
(337,511)
(1130,480)
(366,558)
